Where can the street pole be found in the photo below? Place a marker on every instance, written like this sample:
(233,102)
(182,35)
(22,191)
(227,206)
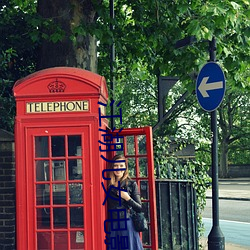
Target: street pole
(216,240)
(112,61)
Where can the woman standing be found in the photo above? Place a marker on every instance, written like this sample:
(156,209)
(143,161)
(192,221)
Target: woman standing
(130,198)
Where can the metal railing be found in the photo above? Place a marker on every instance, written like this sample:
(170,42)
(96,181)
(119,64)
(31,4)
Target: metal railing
(176,214)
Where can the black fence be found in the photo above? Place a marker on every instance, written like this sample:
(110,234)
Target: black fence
(176,211)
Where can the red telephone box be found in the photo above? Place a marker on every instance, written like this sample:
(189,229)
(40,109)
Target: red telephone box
(59,166)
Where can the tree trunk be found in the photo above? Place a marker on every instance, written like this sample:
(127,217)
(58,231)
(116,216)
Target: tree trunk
(75,49)
(223,166)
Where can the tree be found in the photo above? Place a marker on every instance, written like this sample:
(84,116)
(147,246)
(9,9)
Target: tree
(157,25)
(156,28)
(145,34)
(68,40)
(17,54)
(234,117)
(66,33)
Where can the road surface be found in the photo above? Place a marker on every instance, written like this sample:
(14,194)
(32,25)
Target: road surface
(234,212)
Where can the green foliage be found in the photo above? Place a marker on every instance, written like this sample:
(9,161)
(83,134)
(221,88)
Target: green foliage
(7,107)
(193,170)
(149,30)
(234,117)
(145,36)
(137,91)
(15,32)
(17,55)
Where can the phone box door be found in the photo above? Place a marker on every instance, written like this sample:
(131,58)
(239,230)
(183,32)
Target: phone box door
(59,188)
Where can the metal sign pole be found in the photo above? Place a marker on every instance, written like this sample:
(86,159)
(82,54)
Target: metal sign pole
(216,240)
(112,61)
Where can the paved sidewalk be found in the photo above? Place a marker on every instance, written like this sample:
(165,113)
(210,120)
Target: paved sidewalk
(228,246)
(230,194)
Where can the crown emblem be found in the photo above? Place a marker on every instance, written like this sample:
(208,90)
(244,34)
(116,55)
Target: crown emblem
(56,86)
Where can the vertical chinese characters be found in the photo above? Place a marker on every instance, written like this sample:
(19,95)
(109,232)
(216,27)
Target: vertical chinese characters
(112,141)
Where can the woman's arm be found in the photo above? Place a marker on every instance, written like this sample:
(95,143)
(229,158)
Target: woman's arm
(135,201)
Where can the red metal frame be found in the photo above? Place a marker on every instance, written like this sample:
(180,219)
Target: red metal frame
(135,133)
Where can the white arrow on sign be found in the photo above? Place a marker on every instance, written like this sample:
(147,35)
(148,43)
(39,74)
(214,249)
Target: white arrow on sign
(204,86)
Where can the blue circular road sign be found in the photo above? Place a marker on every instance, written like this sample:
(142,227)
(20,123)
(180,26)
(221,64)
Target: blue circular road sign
(210,86)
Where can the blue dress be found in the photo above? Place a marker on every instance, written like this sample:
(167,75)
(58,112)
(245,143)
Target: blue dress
(121,232)
(124,239)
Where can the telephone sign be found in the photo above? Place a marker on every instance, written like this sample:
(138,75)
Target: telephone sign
(210,86)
